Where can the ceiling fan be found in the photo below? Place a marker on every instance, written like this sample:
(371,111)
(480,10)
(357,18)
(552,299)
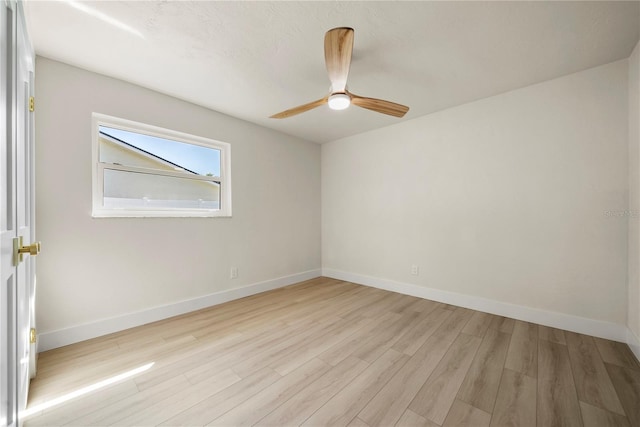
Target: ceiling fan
(338,45)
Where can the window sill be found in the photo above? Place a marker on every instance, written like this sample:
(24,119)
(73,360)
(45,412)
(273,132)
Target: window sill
(160,214)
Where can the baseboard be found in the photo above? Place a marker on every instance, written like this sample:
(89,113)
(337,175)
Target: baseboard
(62,337)
(634,343)
(567,322)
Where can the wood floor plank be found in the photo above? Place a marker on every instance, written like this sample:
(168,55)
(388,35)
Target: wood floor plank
(480,386)
(332,305)
(384,338)
(79,375)
(52,360)
(347,346)
(346,404)
(357,422)
(248,351)
(348,308)
(214,406)
(382,305)
(109,414)
(280,306)
(591,378)
(297,409)
(522,355)
(462,414)
(597,417)
(403,304)
(627,384)
(452,326)
(180,400)
(340,302)
(64,413)
(236,314)
(516,401)
(314,348)
(551,334)
(175,363)
(617,353)
(449,306)
(424,306)
(503,324)
(411,341)
(374,301)
(394,398)
(436,396)
(411,419)
(478,324)
(262,403)
(289,314)
(55,357)
(556,398)
(283,348)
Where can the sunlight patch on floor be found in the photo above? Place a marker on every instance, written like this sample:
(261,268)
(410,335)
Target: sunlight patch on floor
(85,390)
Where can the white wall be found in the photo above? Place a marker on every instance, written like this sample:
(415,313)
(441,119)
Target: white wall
(93,269)
(633,321)
(519,199)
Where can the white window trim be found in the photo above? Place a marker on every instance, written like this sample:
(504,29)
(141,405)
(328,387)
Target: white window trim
(99,211)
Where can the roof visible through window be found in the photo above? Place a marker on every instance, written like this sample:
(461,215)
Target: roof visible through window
(193,158)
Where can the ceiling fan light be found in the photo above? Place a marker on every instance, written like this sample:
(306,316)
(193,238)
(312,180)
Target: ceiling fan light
(339,101)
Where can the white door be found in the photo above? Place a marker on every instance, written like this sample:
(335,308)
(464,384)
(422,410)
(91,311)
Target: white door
(8,229)
(25,213)
(17,272)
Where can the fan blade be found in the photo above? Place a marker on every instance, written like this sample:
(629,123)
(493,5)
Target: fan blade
(299,109)
(338,45)
(379,105)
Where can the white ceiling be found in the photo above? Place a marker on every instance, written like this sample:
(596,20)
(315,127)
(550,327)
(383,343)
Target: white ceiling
(253,59)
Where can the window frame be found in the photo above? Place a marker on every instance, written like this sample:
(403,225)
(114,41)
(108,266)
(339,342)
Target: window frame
(98,168)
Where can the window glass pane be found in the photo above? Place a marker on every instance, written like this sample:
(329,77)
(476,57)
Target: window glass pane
(133,190)
(136,149)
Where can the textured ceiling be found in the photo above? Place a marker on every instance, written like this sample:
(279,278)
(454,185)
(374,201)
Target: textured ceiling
(253,59)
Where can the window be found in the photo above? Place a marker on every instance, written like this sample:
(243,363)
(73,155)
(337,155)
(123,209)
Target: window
(145,171)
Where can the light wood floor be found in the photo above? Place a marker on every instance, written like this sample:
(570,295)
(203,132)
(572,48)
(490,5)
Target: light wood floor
(325,352)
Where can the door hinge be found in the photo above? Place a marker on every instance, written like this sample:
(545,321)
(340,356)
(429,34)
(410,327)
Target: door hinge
(32,104)
(32,336)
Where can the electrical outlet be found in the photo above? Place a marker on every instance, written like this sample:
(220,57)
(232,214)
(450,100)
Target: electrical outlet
(234,272)
(415,270)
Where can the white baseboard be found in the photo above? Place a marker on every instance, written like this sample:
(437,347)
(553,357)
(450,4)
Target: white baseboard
(598,328)
(634,343)
(62,337)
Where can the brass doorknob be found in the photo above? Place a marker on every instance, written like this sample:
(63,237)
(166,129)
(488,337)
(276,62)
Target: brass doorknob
(32,249)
